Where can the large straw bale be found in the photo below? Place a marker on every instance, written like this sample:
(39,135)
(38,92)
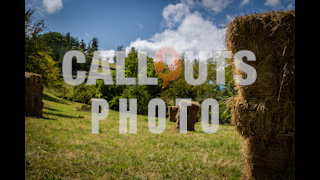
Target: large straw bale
(264,112)
(271,37)
(173,110)
(33,94)
(192,115)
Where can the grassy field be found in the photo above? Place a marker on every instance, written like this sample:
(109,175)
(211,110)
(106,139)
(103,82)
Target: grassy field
(60,146)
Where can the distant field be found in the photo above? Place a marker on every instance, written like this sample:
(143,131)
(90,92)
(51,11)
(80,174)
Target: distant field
(60,146)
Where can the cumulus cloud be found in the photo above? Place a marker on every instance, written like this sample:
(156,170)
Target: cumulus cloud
(52,6)
(229,18)
(174,14)
(216,5)
(189,3)
(107,55)
(272,3)
(244,2)
(184,31)
(192,34)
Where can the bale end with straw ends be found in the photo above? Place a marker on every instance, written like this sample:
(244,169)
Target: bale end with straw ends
(33,94)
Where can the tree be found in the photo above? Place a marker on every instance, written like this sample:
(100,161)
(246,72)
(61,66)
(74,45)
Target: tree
(143,93)
(72,42)
(33,42)
(58,44)
(37,58)
(83,45)
(94,45)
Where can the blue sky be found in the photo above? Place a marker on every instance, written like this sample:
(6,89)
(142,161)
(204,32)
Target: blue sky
(149,24)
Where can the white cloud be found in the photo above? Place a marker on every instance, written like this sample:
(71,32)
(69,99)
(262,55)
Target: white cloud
(272,3)
(189,3)
(52,6)
(229,18)
(185,31)
(35,5)
(244,2)
(216,5)
(192,34)
(107,55)
(174,14)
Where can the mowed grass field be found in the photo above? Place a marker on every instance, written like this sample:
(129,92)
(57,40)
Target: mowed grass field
(60,145)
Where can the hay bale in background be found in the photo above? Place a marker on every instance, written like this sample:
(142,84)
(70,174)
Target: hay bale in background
(33,94)
(173,110)
(264,112)
(192,115)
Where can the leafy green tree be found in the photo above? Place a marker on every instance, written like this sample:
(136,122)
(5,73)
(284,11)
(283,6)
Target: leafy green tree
(37,58)
(71,41)
(33,42)
(143,93)
(83,93)
(58,44)
(114,103)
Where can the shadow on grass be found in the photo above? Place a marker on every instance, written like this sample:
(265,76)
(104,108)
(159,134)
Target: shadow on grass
(53,99)
(51,109)
(42,117)
(62,115)
(47,118)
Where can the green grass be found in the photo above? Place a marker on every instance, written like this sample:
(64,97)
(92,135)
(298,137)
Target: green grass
(60,146)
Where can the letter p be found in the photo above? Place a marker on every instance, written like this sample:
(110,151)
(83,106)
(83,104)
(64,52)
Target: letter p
(100,111)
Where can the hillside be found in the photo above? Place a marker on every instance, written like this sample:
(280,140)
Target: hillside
(60,146)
